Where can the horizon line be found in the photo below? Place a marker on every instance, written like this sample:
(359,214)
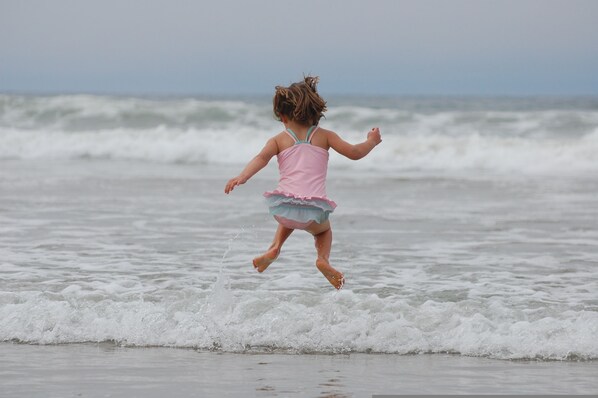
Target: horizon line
(174,93)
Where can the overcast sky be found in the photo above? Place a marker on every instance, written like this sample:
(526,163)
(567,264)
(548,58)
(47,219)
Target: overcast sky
(447,47)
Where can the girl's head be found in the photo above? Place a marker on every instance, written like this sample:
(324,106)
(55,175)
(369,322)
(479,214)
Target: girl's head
(300,102)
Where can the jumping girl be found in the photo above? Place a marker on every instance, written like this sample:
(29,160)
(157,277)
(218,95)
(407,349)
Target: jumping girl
(299,201)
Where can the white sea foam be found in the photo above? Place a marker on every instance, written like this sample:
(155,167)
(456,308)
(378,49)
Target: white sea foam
(432,152)
(263,321)
(210,131)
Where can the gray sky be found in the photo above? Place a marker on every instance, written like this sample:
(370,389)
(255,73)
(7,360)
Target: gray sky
(482,47)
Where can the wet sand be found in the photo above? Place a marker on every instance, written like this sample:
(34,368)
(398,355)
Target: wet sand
(107,370)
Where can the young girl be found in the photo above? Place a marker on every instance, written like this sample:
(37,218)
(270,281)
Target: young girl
(299,201)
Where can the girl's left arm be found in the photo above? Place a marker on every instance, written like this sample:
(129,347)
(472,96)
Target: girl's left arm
(255,165)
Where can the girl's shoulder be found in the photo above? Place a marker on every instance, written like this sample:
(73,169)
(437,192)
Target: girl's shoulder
(324,131)
(283,141)
(321,137)
(282,137)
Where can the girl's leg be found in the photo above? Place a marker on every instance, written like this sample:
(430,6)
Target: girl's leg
(323,238)
(262,262)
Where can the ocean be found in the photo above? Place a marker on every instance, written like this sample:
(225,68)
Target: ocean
(472,230)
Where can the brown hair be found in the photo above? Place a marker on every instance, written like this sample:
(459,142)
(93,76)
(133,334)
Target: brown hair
(300,102)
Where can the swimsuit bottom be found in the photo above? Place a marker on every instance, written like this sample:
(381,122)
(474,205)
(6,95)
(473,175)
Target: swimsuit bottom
(298,213)
(292,224)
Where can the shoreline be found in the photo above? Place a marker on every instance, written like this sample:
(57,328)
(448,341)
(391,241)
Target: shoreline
(264,350)
(109,370)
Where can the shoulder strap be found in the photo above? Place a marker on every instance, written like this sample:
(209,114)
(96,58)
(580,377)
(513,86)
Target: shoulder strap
(292,134)
(308,136)
(310,133)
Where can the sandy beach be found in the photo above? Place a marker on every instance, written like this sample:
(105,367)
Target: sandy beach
(107,370)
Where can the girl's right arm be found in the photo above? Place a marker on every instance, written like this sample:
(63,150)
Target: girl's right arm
(255,165)
(357,151)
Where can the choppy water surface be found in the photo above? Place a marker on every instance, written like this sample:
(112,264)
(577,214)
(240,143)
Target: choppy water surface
(471,231)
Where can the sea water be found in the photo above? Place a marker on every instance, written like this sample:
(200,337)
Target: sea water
(472,229)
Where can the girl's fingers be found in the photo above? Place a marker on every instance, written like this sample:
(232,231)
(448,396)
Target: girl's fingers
(229,186)
(232,184)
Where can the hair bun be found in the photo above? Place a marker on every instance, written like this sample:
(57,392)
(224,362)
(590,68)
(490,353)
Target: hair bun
(312,82)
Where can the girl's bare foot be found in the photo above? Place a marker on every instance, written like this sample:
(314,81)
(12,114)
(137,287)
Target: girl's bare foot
(335,277)
(262,262)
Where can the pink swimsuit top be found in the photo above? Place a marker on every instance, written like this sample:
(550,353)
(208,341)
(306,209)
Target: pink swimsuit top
(303,168)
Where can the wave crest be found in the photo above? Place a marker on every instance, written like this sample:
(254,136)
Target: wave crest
(334,323)
(232,132)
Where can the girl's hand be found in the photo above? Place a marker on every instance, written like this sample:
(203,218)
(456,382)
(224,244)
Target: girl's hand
(374,136)
(233,182)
